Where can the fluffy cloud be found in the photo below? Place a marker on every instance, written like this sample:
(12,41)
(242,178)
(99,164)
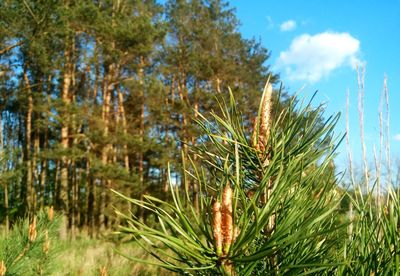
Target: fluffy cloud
(311,57)
(397,137)
(288,25)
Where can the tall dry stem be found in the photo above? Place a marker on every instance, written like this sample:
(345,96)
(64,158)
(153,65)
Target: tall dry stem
(361,94)
(32,233)
(349,155)
(103,271)
(3,268)
(387,142)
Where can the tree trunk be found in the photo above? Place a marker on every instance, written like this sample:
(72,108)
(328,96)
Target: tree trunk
(35,177)
(56,198)
(183,95)
(121,114)
(43,172)
(73,189)
(107,90)
(167,113)
(1,131)
(65,97)
(195,183)
(28,159)
(7,221)
(141,133)
(90,200)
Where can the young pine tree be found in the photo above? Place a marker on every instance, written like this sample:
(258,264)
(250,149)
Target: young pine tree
(268,199)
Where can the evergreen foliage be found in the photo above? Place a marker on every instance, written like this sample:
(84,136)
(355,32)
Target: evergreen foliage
(30,247)
(268,209)
(100,94)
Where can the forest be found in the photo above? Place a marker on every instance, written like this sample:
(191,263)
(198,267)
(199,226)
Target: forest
(110,109)
(102,94)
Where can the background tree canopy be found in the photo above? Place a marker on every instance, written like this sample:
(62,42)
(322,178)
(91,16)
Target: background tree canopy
(102,94)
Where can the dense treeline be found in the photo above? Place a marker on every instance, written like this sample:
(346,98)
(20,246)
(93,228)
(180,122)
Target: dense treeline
(101,94)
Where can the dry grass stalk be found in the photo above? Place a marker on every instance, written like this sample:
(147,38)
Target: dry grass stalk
(227,221)
(3,268)
(32,233)
(51,213)
(349,155)
(46,244)
(103,271)
(387,130)
(217,227)
(361,94)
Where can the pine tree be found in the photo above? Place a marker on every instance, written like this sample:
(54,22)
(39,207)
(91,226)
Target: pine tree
(99,94)
(268,206)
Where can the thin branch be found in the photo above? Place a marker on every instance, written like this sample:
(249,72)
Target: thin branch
(9,48)
(31,12)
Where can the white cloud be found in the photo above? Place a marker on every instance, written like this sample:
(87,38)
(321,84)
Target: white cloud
(288,26)
(397,137)
(311,57)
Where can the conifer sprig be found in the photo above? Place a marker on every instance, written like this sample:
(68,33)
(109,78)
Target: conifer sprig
(28,249)
(228,234)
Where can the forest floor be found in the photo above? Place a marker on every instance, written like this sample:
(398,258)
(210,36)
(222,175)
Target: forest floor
(85,256)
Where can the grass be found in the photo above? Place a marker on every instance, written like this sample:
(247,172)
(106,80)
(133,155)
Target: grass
(85,256)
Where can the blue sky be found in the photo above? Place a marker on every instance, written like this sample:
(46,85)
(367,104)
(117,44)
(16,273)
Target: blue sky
(316,44)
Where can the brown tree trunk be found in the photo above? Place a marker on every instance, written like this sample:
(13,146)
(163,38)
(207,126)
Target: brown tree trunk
(43,172)
(35,177)
(7,221)
(141,132)
(107,90)
(28,159)
(121,114)
(64,204)
(90,201)
(56,198)
(72,188)
(183,95)
(166,130)
(195,183)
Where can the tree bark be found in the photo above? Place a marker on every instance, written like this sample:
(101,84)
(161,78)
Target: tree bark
(141,132)
(121,114)
(27,155)
(7,221)
(195,183)
(90,200)
(64,204)
(107,90)
(35,175)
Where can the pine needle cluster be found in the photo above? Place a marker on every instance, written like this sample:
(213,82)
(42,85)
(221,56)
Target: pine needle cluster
(30,246)
(269,200)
